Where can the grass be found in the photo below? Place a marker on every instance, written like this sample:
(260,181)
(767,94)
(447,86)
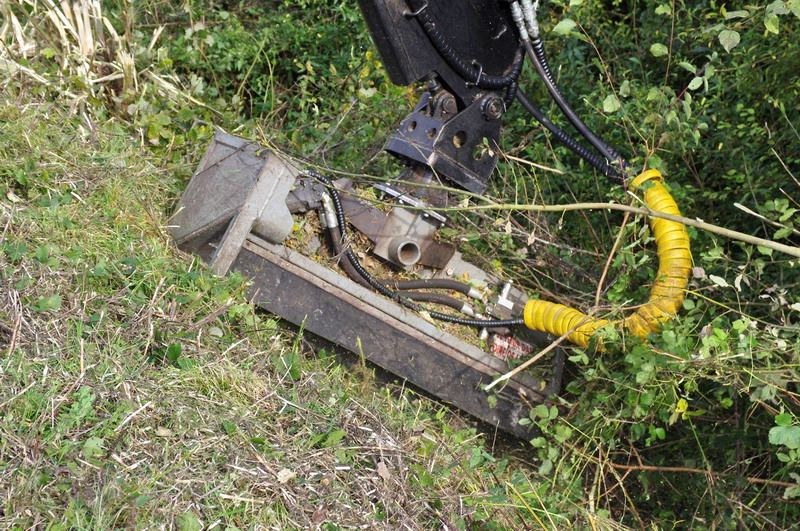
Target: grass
(138,391)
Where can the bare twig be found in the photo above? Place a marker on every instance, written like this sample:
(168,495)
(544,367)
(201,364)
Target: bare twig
(535,165)
(528,363)
(610,259)
(722,231)
(130,417)
(688,470)
(764,218)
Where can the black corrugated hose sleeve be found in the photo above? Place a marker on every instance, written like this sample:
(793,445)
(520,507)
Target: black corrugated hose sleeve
(372,281)
(538,49)
(511,93)
(462,68)
(585,153)
(610,154)
(336,240)
(511,89)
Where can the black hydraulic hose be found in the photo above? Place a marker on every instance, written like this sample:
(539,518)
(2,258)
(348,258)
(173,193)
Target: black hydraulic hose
(538,49)
(544,72)
(467,71)
(336,240)
(428,283)
(511,89)
(437,298)
(511,93)
(585,153)
(376,284)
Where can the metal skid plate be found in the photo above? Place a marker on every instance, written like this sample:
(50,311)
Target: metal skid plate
(307,293)
(302,291)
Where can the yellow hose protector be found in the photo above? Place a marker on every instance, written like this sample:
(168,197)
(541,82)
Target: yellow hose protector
(666,295)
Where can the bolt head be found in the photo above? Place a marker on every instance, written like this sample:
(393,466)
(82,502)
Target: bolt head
(449,105)
(493,108)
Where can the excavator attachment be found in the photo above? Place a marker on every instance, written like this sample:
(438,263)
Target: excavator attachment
(241,212)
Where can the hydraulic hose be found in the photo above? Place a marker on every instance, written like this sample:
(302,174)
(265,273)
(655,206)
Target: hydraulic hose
(528,27)
(666,295)
(537,47)
(336,240)
(459,65)
(571,115)
(433,283)
(511,94)
(381,288)
(438,298)
(565,138)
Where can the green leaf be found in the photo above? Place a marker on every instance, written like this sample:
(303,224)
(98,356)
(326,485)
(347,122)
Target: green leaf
(778,7)
(611,104)
(15,251)
(291,363)
(664,9)
(654,94)
(788,436)
(476,458)
(695,83)
(784,419)
(93,447)
(658,50)
(141,500)
(688,66)
(564,27)
(789,212)
(48,304)
(228,427)
(539,442)
(782,233)
(540,411)
(563,433)
(174,352)
(188,521)
(43,253)
(736,14)
(333,438)
(184,363)
(791,492)
(729,39)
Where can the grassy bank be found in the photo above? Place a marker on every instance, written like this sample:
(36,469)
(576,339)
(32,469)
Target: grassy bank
(139,391)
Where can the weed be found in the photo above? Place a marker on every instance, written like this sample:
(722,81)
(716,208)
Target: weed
(140,391)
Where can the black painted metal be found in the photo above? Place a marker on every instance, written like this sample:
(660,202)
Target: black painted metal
(453,148)
(435,365)
(477,30)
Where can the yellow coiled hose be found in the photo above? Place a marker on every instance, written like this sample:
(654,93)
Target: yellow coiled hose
(666,295)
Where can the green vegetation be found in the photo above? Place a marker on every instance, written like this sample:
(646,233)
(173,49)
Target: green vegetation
(137,390)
